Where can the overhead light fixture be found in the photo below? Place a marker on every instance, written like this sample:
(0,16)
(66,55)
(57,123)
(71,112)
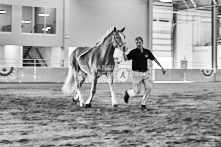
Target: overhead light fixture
(166,1)
(206,20)
(2,12)
(46,29)
(26,21)
(45,15)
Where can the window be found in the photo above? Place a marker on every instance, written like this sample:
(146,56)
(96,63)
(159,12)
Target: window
(5,18)
(38,20)
(27,19)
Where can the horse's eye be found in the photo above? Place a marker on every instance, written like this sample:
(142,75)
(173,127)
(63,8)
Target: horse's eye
(117,37)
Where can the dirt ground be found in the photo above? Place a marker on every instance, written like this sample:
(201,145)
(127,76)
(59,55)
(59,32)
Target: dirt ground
(178,115)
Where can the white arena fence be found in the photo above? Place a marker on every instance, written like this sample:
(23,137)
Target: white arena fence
(55,70)
(61,63)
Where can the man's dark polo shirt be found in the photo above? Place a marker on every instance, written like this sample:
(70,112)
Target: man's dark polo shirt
(139,60)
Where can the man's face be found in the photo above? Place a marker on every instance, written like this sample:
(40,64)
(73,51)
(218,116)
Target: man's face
(139,43)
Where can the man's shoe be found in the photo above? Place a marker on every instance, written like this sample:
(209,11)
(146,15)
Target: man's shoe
(126,97)
(143,107)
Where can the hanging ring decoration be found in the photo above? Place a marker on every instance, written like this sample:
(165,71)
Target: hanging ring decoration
(122,75)
(6,72)
(207,73)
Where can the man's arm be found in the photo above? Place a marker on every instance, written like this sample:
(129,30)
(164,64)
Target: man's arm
(162,69)
(125,56)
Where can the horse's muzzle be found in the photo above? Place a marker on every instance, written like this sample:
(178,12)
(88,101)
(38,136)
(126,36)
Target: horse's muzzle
(124,48)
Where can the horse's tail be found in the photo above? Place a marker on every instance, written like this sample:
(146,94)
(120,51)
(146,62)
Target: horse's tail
(69,86)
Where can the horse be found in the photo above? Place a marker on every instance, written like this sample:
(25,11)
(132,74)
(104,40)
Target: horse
(94,62)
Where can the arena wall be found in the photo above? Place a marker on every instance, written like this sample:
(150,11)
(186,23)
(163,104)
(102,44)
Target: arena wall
(15,37)
(58,75)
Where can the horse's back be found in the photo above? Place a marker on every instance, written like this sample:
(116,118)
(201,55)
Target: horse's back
(77,53)
(81,51)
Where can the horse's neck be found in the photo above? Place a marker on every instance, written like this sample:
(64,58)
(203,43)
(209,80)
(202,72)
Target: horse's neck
(106,49)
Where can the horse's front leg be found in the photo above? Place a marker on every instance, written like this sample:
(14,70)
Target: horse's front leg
(93,90)
(113,96)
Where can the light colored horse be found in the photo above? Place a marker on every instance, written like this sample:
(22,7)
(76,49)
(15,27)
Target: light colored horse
(94,62)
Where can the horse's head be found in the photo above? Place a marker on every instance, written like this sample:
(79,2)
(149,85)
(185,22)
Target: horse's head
(118,39)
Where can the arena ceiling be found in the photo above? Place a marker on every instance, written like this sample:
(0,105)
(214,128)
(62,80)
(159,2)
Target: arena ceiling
(190,4)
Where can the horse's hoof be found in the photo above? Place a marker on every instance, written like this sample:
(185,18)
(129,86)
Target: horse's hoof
(87,105)
(82,105)
(74,101)
(115,106)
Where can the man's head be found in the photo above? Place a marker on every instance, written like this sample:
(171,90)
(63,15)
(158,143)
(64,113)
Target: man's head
(139,42)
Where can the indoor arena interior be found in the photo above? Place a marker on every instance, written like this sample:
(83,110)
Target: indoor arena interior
(68,73)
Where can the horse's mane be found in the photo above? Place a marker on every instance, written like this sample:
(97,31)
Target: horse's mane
(108,32)
(100,41)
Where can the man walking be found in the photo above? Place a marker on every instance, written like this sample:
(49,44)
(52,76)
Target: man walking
(141,73)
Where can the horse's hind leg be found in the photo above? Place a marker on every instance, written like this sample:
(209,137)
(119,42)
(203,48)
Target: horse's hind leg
(113,96)
(81,81)
(81,99)
(93,90)
(79,95)
(83,77)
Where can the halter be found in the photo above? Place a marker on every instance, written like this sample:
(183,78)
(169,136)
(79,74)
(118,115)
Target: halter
(120,59)
(118,44)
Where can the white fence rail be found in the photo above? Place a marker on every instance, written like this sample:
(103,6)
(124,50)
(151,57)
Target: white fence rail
(61,63)
(34,63)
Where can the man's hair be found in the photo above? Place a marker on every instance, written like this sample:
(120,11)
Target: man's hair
(139,38)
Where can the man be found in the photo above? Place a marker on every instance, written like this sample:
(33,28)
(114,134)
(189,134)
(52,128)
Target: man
(141,73)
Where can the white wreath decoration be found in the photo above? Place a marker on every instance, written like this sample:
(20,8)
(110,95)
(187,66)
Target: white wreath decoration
(6,72)
(208,73)
(122,75)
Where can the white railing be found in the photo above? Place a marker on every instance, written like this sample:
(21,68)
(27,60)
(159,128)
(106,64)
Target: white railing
(61,63)
(57,63)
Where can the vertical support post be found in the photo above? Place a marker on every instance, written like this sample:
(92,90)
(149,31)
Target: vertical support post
(150,32)
(66,17)
(174,34)
(214,35)
(35,70)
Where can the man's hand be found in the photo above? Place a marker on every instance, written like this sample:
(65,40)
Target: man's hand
(124,50)
(124,56)
(163,71)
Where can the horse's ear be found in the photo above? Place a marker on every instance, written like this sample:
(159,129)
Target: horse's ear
(122,29)
(115,29)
